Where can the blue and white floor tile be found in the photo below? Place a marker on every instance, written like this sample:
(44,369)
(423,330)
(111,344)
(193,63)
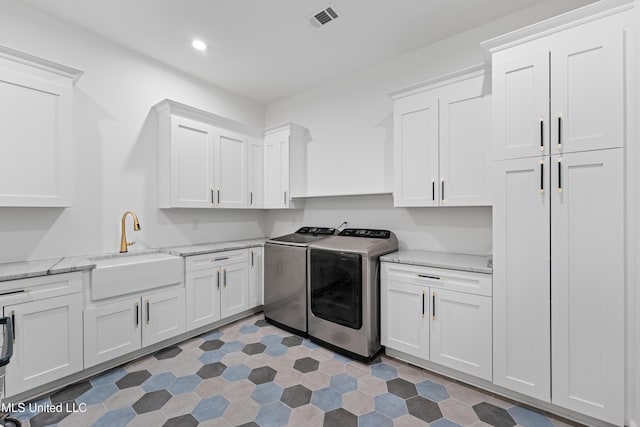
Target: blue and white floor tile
(253,374)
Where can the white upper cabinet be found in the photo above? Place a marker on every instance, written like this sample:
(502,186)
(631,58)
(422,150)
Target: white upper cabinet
(415,151)
(441,142)
(231,153)
(203,159)
(561,93)
(192,165)
(255,180)
(285,165)
(36,130)
(520,93)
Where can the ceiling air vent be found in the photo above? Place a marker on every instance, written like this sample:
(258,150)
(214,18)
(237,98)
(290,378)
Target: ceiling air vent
(323,17)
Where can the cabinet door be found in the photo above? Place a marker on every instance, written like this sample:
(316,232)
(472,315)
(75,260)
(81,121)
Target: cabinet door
(587,278)
(461,332)
(521,287)
(36,153)
(276,170)
(231,170)
(588,90)
(404,316)
(465,145)
(256,176)
(520,94)
(111,330)
(234,291)
(203,297)
(415,150)
(255,277)
(163,316)
(192,163)
(48,342)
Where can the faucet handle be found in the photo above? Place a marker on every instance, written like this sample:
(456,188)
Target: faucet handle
(131,243)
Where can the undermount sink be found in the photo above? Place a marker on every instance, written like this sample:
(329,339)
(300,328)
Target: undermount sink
(128,273)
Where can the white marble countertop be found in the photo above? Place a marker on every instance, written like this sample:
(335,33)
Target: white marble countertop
(451,261)
(35,268)
(208,248)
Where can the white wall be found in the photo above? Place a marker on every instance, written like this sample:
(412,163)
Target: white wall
(462,230)
(350,118)
(351,122)
(115,147)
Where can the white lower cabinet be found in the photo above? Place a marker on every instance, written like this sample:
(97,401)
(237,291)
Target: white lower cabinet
(405,317)
(461,332)
(118,328)
(234,291)
(217,286)
(255,277)
(439,315)
(47,320)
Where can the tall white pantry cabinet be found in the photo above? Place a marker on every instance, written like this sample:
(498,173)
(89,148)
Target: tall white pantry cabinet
(558,214)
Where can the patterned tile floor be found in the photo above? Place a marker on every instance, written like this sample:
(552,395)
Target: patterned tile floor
(250,373)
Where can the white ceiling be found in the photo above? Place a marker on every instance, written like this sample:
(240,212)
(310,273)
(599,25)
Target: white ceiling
(266,50)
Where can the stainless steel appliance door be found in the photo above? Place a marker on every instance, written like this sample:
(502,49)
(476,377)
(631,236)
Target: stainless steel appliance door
(285,285)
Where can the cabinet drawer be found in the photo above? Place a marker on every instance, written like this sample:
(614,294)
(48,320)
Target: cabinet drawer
(200,262)
(461,281)
(37,288)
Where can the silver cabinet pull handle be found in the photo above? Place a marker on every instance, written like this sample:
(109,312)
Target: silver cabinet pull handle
(220,259)
(218,196)
(285,198)
(251,198)
(213,200)
(148,313)
(224,277)
(442,190)
(218,278)
(252,258)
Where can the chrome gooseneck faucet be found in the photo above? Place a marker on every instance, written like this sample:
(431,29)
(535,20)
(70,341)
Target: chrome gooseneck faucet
(123,234)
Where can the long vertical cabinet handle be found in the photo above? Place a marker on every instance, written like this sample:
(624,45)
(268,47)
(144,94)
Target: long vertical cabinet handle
(559,174)
(541,134)
(252,258)
(137,315)
(218,278)
(541,175)
(213,199)
(224,277)
(148,313)
(559,132)
(218,196)
(433,191)
(251,198)
(442,190)
(433,305)
(284,199)
(423,303)
(13,324)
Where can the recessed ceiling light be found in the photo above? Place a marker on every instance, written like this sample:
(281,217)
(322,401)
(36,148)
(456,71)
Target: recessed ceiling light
(199,45)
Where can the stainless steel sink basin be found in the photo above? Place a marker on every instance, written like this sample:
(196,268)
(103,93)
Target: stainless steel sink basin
(128,273)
